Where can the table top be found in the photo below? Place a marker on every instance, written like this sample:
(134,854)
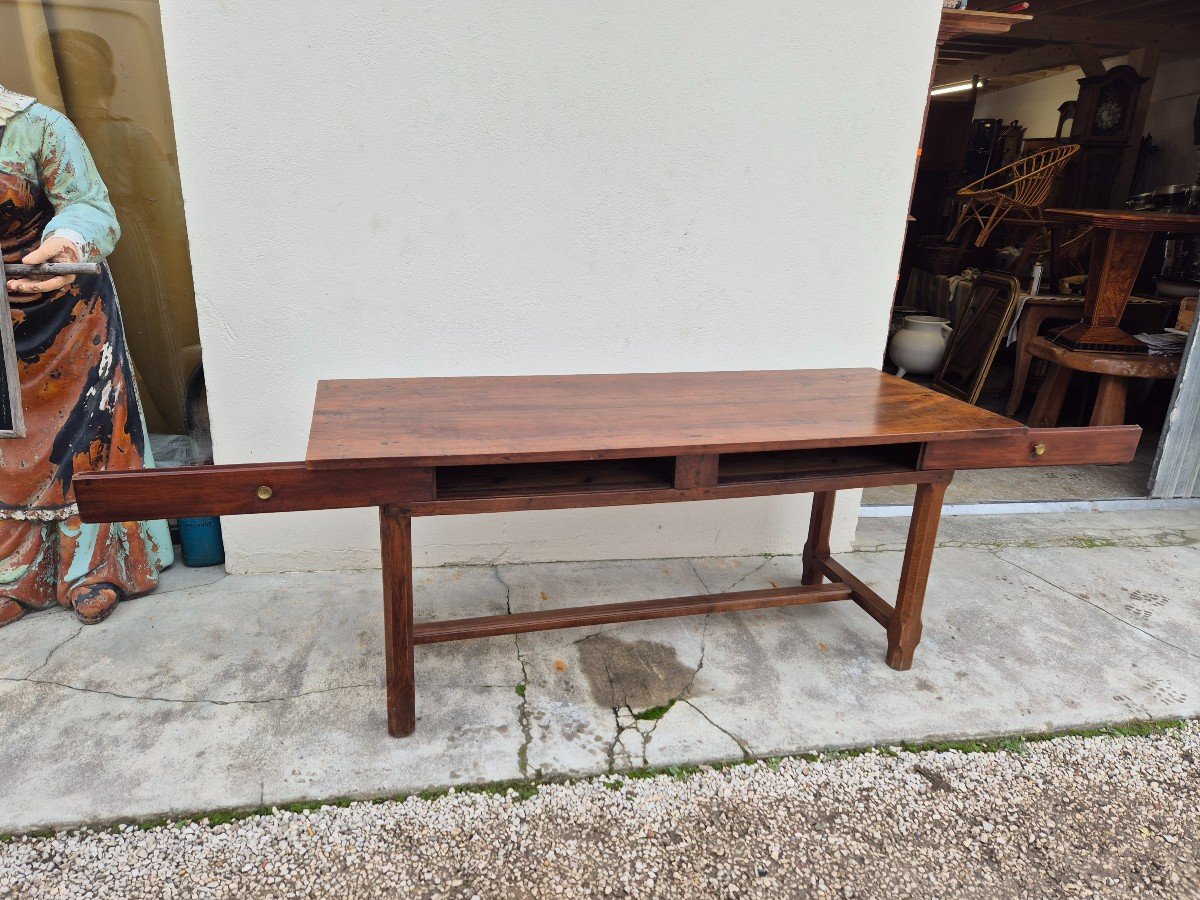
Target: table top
(1128,220)
(503,419)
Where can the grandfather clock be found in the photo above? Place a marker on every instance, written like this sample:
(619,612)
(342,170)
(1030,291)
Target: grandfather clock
(1103,128)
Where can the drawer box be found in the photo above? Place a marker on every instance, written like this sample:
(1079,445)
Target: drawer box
(1097,445)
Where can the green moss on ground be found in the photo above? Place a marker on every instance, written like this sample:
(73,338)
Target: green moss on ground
(523,790)
(654,713)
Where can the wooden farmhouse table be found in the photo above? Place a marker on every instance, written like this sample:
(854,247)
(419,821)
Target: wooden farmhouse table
(454,446)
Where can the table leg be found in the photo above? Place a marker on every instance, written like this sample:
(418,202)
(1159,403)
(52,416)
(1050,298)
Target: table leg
(904,627)
(395,538)
(1050,396)
(1110,401)
(1055,273)
(818,535)
(1027,329)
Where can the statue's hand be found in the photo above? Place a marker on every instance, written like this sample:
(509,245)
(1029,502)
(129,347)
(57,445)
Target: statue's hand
(52,250)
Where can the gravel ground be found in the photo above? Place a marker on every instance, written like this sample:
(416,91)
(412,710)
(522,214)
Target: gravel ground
(1073,817)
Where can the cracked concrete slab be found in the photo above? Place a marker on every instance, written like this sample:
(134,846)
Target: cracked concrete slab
(20,659)
(255,689)
(1156,593)
(1002,651)
(1128,528)
(249,690)
(572,676)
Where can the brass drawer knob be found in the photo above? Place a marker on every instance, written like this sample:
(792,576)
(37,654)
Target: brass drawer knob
(265,493)
(1039,449)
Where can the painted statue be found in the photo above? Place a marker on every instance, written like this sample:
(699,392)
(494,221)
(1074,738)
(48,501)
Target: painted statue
(80,402)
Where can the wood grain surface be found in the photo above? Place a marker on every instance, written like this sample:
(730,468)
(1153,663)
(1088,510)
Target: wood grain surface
(238,489)
(1059,447)
(241,490)
(482,420)
(1126,365)
(1127,220)
(455,503)
(395,543)
(904,623)
(635,611)
(860,592)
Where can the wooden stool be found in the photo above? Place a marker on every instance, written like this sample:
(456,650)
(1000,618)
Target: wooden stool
(1144,313)
(1114,369)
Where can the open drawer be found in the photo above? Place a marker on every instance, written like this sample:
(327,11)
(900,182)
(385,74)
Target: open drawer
(1096,445)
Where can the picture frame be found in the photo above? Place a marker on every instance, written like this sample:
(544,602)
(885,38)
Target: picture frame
(12,421)
(987,315)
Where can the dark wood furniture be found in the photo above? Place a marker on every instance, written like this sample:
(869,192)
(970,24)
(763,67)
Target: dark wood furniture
(1115,371)
(986,318)
(447,446)
(1106,126)
(1148,313)
(1119,246)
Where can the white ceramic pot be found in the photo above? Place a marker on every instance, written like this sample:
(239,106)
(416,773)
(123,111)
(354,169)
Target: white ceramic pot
(919,345)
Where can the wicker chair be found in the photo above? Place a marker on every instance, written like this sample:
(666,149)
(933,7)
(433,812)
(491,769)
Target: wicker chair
(1067,246)
(1018,189)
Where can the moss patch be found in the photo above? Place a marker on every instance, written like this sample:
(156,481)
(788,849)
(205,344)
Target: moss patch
(1089,543)
(654,713)
(523,790)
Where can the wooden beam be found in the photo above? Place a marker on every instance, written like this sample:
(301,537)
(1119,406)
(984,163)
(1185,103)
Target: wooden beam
(1125,35)
(957,56)
(1032,59)
(957,22)
(1171,12)
(1000,45)
(1043,7)
(1089,60)
(1106,37)
(1102,8)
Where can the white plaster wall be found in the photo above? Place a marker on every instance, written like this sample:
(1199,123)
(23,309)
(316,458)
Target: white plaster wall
(536,186)
(1035,103)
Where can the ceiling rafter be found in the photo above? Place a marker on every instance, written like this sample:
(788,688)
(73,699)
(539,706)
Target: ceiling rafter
(1020,62)
(1110,33)
(1104,8)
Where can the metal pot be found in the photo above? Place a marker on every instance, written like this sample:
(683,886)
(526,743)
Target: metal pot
(1173,196)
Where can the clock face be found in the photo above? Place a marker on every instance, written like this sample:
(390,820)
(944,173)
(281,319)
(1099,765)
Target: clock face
(1108,115)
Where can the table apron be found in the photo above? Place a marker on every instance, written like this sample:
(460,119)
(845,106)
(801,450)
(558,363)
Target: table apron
(290,486)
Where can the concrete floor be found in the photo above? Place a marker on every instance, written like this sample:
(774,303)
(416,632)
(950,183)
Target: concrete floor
(221,692)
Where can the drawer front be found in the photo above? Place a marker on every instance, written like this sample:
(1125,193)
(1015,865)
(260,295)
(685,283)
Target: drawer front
(241,490)
(1099,445)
